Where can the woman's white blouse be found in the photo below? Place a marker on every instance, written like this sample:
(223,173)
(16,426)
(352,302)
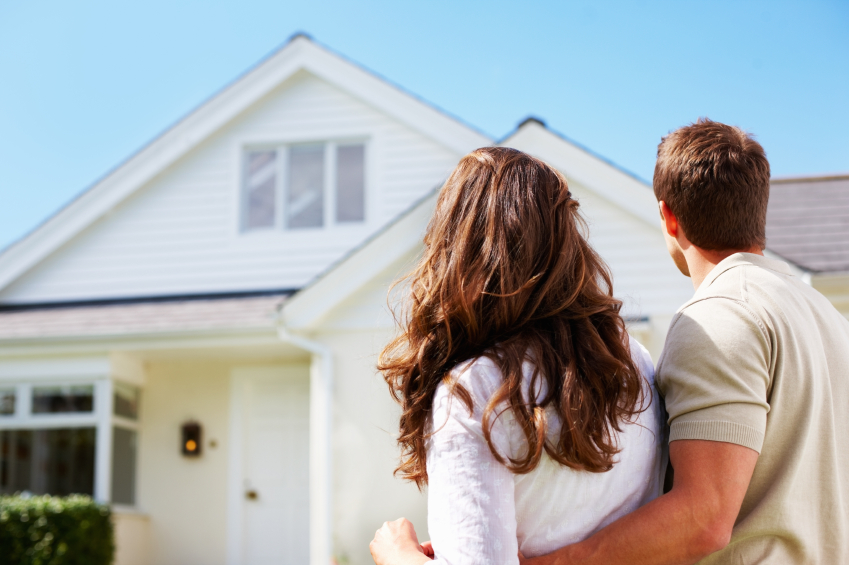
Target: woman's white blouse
(481,513)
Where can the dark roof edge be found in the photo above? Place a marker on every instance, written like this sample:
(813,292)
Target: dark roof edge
(810,178)
(11,307)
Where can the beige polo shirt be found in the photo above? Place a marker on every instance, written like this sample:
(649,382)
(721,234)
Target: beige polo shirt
(761,359)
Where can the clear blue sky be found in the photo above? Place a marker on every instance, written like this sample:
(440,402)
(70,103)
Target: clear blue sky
(84,84)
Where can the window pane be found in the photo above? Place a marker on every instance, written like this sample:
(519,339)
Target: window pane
(53,399)
(15,460)
(260,189)
(7,401)
(350,183)
(126,400)
(123,466)
(305,192)
(57,462)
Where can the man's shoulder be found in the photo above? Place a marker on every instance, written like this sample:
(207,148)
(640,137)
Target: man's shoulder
(725,299)
(712,317)
(745,290)
(772,295)
(720,323)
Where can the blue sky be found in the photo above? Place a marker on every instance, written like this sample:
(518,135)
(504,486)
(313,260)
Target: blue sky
(85,84)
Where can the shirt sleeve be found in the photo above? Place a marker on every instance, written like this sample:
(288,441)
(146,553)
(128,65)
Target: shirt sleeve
(471,506)
(714,374)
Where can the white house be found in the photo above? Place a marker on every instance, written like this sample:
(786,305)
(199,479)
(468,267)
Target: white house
(194,338)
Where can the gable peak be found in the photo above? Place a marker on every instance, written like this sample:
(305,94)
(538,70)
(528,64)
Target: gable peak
(300,34)
(532,120)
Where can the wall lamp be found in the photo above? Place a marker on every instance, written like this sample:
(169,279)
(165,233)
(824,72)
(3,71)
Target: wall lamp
(192,435)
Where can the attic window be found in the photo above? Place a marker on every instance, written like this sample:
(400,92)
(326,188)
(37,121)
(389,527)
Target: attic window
(294,187)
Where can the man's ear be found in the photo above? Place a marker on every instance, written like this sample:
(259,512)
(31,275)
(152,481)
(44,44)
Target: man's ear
(668,219)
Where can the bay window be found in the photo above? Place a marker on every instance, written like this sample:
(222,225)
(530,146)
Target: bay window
(75,437)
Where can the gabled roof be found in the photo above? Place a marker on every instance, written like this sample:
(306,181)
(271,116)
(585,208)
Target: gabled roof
(300,53)
(807,222)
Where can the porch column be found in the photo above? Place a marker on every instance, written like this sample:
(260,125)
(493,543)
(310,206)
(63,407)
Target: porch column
(321,464)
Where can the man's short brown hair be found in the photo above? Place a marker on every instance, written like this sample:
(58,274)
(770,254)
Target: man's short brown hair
(715,179)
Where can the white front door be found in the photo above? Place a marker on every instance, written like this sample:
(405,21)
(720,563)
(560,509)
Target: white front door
(269,498)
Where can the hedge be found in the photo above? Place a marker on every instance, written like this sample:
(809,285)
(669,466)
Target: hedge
(45,530)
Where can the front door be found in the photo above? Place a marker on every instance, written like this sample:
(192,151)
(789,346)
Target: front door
(270,466)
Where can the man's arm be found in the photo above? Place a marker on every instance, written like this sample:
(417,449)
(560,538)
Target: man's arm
(681,527)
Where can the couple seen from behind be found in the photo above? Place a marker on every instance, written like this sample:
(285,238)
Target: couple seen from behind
(544,433)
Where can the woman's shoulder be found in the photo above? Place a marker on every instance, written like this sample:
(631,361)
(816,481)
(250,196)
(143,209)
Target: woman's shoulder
(451,414)
(480,377)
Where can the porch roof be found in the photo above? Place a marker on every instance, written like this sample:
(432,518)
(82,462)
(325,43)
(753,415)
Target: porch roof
(140,318)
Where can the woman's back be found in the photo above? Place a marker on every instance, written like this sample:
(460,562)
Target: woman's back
(481,512)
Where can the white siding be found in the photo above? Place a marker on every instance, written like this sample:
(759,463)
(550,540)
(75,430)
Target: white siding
(179,234)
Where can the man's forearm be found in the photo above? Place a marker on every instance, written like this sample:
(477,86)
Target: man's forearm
(692,521)
(663,532)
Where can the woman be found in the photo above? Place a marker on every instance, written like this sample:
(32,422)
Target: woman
(527,410)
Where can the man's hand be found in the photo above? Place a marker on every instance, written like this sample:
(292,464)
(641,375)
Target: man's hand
(396,543)
(681,527)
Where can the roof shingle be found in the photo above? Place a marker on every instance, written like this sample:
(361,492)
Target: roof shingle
(222,314)
(808,222)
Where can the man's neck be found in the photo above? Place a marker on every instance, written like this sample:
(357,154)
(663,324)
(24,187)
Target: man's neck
(702,261)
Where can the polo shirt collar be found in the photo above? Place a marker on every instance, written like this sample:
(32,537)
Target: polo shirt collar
(742,259)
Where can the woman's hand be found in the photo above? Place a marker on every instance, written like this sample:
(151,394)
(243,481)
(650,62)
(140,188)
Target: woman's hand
(396,544)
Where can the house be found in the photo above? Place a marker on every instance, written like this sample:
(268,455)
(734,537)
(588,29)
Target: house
(194,338)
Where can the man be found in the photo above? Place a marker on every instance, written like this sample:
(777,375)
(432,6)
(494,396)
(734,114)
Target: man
(755,376)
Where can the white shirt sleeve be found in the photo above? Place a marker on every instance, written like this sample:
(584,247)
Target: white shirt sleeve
(471,506)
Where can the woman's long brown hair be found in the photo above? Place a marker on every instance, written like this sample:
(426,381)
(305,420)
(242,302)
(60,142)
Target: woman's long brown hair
(508,274)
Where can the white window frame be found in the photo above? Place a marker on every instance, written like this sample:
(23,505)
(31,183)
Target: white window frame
(329,194)
(101,418)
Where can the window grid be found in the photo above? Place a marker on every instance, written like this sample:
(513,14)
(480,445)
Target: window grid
(298,204)
(101,419)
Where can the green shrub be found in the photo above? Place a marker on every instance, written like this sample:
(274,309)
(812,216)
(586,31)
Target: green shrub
(45,530)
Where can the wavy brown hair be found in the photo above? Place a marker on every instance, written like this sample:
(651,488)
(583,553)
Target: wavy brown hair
(508,274)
